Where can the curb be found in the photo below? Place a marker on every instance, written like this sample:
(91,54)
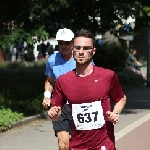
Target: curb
(26,120)
(29,119)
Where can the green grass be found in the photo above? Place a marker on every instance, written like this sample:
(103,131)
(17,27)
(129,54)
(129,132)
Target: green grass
(144,63)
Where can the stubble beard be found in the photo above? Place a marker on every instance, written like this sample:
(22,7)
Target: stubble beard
(86,62)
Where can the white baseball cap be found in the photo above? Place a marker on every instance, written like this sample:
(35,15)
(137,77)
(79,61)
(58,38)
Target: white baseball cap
(64,34)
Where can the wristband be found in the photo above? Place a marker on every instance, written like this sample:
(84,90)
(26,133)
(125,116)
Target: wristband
(47,94)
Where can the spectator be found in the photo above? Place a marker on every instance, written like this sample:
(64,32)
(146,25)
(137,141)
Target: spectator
(134,62)
(50,49)
(43,48)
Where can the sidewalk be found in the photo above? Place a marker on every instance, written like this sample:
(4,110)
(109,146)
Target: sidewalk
(132,132)
(137,139)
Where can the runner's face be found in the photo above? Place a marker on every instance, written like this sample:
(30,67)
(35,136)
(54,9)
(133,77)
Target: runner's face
(65,46)
(83,50)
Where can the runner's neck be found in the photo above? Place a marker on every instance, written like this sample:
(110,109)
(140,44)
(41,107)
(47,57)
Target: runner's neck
(85,72)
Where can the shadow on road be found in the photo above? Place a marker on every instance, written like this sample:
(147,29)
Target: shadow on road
(137,98)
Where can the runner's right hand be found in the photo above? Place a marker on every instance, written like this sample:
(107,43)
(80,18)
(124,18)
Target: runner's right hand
(54,113)
(46,103)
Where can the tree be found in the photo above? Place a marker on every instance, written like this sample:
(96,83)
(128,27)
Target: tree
(94,15)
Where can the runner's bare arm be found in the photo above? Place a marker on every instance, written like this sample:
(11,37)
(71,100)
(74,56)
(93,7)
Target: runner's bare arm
(114,116)
(120,105)
(49,83)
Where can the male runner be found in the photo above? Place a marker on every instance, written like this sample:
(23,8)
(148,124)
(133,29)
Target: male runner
(89,90)
(58,64)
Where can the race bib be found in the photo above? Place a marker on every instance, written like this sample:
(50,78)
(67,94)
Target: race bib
(88,116)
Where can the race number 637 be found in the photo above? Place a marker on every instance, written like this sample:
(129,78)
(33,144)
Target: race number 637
(87,117)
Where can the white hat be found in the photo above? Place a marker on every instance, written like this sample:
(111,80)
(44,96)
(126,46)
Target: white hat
(64,34)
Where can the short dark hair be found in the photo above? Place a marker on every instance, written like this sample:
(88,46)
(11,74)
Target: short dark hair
(85,33)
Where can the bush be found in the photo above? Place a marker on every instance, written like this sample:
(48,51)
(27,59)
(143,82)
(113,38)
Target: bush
(110,56)
(127,77)
(113,56)
(7,117)
(22,89)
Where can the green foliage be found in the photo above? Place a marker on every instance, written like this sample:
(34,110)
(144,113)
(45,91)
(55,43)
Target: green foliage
(144,63)
(74,14)
(19,34)
(111,56)
(23,92)
(40,17)
(7,116)
(127,77)
(16,34)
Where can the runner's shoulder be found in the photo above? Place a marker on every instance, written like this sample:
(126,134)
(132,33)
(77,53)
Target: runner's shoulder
(53,58)
(103,71)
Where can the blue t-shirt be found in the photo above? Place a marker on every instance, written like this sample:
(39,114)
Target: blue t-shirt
(57,66)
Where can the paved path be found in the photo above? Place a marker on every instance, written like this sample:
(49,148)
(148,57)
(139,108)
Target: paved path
(132,132)
(37,135)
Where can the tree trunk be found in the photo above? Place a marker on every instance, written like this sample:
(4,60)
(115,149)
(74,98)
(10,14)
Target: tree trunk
(1,56)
